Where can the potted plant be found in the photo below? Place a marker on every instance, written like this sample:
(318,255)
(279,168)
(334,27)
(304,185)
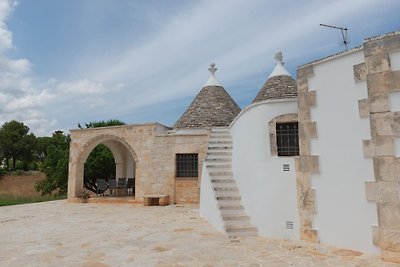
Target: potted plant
(84,195)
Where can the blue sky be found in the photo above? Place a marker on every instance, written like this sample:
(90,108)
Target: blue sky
(64,62)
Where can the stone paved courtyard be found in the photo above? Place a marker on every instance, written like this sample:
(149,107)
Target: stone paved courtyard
(58,233)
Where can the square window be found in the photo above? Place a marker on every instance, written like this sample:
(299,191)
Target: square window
(187,165)
(287,139)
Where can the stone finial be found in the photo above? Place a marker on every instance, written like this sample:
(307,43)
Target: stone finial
(279,68)
(212,69)
(279,57)
(212,81)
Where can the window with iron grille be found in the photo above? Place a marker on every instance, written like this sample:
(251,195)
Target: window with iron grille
(287,139)
(187,165)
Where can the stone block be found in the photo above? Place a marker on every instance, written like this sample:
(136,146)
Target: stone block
(389,215)
(379,103)
(396,123)
(384,146)
(308,130)
(312,98)
(304,145)
(390,239)
(304,113)
(360,72)
(307,200)
(389,192)
(363,108)
(387,169)
(384,44)
(378,83)
(378,63)
(381,123)
(376,235)
(368,148)
(371,191)
(383,82)
(309,164)
(309,235)
(303,73)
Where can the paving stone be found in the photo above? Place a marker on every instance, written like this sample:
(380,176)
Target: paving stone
(59,233)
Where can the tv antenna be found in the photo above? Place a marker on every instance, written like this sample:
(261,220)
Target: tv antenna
(344,34)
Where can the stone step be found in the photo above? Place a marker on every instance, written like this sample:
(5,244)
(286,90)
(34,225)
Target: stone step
(224,183)
(221,174)
(239,231)
(224,137)
(220,142)
(226,194)
(213,157)
(222,180)
(229,198)
(229,202)
(219,148)
(218,160)
(219,153)
(232,212)
(228,218)
(226,188)
(230,207)
(238,223)
(223,167)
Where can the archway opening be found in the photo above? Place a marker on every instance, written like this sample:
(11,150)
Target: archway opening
(100,165)
(109,170)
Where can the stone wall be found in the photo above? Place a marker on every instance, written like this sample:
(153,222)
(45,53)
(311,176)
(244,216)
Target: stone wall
(153,148)
(385,131)
(306,164)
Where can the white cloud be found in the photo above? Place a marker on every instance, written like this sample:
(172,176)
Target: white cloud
(93,102)
(171,62)
(88,87)
(27,101)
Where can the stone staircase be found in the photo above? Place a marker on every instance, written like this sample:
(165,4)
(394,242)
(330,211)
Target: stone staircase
(219,166)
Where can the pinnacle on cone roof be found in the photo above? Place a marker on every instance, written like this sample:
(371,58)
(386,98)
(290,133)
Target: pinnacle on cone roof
(279,85)
(212,107)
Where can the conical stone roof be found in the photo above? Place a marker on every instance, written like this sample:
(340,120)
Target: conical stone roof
(212,107)
(279,85)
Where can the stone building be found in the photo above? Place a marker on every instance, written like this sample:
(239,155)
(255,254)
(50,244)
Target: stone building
(162,160)
(316,159)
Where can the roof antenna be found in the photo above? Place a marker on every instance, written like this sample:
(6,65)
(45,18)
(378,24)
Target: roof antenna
(344,34)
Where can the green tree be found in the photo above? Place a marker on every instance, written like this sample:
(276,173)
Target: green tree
(100,163)
(97,124)
(55,165)
(16,143)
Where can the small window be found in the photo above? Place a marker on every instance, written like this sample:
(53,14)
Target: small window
(187,165)
(287,139)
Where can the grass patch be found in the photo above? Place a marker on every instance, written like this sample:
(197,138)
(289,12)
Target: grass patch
(7,200)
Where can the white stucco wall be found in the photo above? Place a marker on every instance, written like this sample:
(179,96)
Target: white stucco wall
(268,193)
(208,203)
(344,217)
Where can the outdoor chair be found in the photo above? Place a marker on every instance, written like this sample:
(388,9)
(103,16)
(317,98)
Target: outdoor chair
(122,186)
(101,186)
(112,185)
(131,186)
(121,182)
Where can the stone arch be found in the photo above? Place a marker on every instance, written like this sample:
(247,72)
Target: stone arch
(103,139)
(289,117)
(119,147)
